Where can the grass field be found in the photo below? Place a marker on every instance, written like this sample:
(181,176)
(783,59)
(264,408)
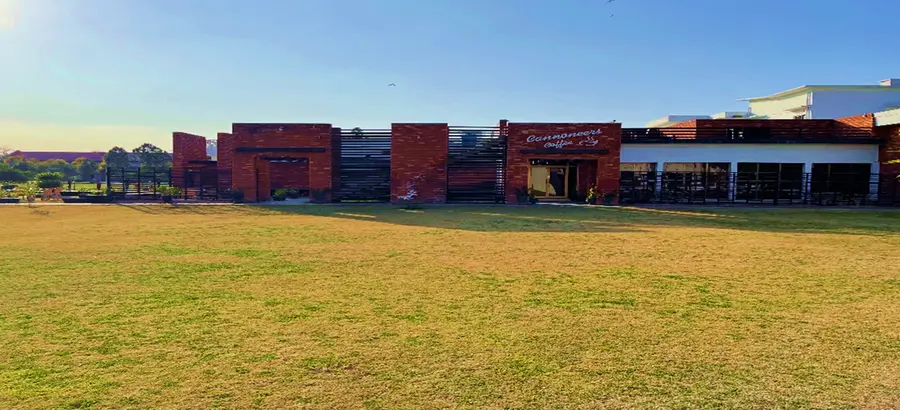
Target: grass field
(451,307)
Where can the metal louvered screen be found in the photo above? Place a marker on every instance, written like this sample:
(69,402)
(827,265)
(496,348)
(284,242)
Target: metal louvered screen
(365,166)
(476,165)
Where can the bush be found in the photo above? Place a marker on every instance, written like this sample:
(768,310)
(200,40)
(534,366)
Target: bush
(29,192)
(172,191)
(280,194)
(49,179)
(12,175)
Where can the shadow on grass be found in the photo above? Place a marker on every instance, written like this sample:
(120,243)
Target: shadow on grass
(576,219)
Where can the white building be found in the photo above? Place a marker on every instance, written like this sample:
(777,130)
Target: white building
(809,102)
(827,101)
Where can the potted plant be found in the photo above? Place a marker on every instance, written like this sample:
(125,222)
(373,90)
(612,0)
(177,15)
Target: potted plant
(237,196)
(30,191)
(168,193)
(6,197)
(592,195)
(280,194)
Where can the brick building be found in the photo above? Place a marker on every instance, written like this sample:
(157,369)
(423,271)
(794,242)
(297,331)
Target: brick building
(699,160)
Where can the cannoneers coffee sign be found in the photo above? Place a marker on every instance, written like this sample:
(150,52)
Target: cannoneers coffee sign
(583,138)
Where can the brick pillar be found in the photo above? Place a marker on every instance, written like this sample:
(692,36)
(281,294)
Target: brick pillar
(185,147)
(419,156)
(224,160)
(335,160)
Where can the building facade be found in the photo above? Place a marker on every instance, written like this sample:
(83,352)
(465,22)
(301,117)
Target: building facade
(811,102)
(695,161)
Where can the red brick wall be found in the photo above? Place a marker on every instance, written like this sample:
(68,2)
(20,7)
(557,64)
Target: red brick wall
(890,151)
(419,155)
(609,137)
(225,146)
(185,147)
(246,164)
(856,126)
(289,175)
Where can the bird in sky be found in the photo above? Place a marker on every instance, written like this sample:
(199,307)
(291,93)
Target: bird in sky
(609,1)
(392,85)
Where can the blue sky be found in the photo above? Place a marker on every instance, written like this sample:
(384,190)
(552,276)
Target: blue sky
(89,74)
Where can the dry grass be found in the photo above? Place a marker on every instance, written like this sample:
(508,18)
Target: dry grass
(465,307)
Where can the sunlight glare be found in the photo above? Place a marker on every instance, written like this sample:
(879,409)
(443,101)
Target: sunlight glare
(8,9)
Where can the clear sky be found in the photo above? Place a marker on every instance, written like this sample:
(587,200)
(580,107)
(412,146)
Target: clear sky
(90,74)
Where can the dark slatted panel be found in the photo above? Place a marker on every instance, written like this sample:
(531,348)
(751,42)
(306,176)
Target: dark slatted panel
(365,166)
(476,165)
(135,183)
(759,188)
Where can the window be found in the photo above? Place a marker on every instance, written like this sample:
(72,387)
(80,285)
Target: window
(637,181)
(764,180)
(695,180)
(840,180)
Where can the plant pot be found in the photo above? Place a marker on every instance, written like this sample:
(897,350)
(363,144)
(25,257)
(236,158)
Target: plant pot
(68,193)
(167,199)
(278,198)
(592,201)
(9,200)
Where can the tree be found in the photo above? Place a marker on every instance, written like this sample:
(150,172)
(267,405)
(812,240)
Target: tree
(152,157)
(116,158)
(10,174)
(85,169)
(4,151)
(357,132)
(58,165)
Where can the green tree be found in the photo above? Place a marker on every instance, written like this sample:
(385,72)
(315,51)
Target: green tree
(152,157)
(85,169)
(10,174)
(60,166)
(116,158)
(357,132)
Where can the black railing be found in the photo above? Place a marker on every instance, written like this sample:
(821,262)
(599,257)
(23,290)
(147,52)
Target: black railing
(476,165)
(758,188)
(826,134)
(136,183)
(202,184)
(364,166)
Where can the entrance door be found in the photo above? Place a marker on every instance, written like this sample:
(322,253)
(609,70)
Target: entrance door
(549,181)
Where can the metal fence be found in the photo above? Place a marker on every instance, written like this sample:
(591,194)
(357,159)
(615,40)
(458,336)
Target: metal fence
(818,131)
(758,188)
(202,184)
(364,166)
(476,165)
(136,183)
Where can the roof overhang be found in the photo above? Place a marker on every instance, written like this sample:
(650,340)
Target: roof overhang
(889,117)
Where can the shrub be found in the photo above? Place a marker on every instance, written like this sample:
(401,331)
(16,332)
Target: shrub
(49,179)
(29,192)
(172,191)
(293,193)
(280,194)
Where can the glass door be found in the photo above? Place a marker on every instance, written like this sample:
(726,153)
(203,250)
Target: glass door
(549,182)
(556,182)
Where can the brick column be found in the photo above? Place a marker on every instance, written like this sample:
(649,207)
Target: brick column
(419,156)
(224,160)
(185,147)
